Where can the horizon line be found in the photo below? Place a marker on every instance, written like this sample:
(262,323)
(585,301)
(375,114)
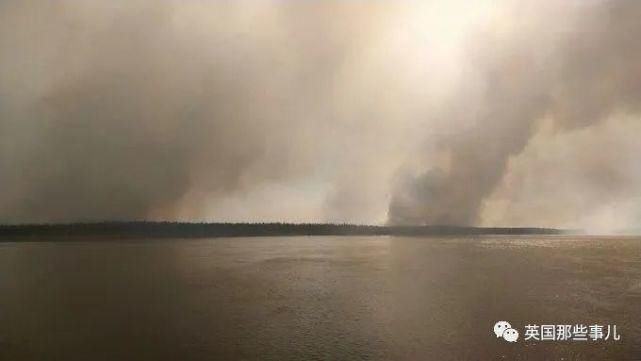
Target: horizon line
(103,222)
(291,228)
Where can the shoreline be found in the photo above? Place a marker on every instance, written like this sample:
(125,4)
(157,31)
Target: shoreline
(212,230)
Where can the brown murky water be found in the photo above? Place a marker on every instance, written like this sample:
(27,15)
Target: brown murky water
(316,298)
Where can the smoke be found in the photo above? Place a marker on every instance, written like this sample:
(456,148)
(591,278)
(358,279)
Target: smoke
(425,112)
(567,65)
(157,109)
(584,179)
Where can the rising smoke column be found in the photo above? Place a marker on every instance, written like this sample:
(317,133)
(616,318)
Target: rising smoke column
(573,64)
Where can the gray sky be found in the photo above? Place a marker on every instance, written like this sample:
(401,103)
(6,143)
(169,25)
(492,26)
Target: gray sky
(507,113)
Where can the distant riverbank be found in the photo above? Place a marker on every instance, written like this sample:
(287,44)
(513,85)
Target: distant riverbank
(203,230)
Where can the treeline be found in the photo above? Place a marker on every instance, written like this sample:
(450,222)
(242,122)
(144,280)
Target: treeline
(201,230)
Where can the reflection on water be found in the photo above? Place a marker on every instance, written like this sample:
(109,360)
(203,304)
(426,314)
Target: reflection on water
(315,298)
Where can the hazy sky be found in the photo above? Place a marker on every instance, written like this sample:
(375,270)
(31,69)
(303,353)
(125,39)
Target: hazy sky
(506,113)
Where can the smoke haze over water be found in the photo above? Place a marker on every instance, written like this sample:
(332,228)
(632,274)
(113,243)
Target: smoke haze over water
(498,113)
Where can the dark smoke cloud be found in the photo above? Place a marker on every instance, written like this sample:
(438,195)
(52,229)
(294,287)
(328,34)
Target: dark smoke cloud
(574,64)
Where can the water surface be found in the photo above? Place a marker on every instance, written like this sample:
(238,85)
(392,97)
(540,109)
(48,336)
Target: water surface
(315,298)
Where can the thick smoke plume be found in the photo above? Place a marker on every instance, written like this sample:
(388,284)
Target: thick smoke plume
(567,72)
(127,110)
(422,112)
